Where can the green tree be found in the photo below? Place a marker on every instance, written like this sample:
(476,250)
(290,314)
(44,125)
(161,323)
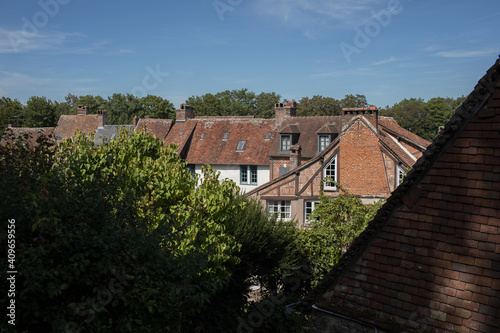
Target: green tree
(265,103)
(122,108)
(156,107)
(11,112)
(318,106)
(411,115)
(354,101)
(234,103)
(126,229)
(39,112)
(337,222)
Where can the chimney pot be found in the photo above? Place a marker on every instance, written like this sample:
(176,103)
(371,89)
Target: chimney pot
(295,156)
(284,111)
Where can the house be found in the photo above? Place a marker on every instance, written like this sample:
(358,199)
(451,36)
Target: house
(430,259)
(84,122)
(30,133)
(367,154)
(282,161)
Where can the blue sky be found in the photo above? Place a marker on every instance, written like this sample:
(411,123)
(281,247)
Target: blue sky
(385,49)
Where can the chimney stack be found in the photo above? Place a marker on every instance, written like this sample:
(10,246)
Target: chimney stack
(102,118)
(135,122)
(286,110)
(295,156)
(82,110)
(370,113)
(185,112)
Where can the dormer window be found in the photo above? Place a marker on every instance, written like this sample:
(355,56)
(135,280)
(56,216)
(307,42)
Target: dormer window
(323,141)
(285,143)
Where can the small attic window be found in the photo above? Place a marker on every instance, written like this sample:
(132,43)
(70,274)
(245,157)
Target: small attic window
(241,145)
(182,131)
(226,135)
(268,136)
(202,136)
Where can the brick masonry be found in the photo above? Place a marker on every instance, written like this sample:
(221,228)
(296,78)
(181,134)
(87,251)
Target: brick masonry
(434,264)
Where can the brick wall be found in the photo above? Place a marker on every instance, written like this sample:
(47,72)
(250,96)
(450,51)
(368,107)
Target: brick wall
(435,266)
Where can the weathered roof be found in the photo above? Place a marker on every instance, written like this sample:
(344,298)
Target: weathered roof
(215,140)
(429,260)
(158,128)
(69,124)
(31,133)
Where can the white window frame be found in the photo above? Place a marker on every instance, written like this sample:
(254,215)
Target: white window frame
(285,144)
(327,173)
(313,206)
(323,141)
(281,208)
(400,174)
(249,175)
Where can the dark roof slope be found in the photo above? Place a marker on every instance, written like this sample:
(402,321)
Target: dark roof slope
(430,259)
(32,133)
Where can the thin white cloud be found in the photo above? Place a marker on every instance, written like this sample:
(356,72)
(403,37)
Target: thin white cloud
(20,41)
(385,61)
(317,12)
(468,53)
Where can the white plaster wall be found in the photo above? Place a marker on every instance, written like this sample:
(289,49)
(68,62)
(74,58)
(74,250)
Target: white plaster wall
(232,172)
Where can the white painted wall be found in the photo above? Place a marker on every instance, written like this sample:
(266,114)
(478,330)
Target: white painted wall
(232,172)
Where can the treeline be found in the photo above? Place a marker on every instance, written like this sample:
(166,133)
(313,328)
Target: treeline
(420,117)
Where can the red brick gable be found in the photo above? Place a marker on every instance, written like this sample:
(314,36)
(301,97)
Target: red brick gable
(361,167)
(430,260)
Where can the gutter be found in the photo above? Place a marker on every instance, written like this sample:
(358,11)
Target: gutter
(315,307)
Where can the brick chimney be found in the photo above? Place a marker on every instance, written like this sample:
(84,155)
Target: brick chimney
(82,110)
(135,122)
(102,118)
(370,113)
(283,111)
(295,156)
(185,112)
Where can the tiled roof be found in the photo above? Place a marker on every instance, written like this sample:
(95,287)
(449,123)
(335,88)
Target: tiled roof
(32,132)
(392,126)
(209,144)
(180,134)
(158,128)
(429,261)
(69,124)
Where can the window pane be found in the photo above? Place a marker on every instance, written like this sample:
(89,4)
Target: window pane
(286,142)
(330,172)
(243,174)
(253,174)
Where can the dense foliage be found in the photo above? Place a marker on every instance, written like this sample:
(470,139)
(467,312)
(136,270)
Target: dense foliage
(124,238)
(336,223)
